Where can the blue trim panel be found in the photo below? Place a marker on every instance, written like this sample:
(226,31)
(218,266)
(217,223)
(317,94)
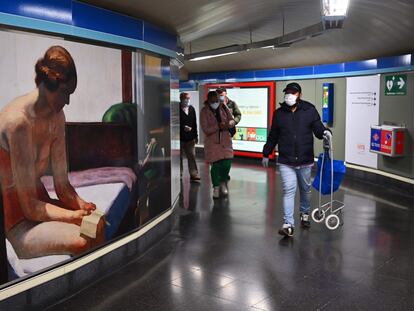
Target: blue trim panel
(329,68)
(58,11)
(93,18)
(188,85)
(69,17)
(366,67)
(57,28)
(269,73)
(240,75)
(394,61)
(158,37)
(301,71)
(361,65)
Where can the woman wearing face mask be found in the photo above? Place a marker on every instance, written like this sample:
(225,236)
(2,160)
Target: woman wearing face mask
(188,135)
(293,127)
(216,119)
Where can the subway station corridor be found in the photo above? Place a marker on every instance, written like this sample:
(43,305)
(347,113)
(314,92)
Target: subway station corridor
(227,254)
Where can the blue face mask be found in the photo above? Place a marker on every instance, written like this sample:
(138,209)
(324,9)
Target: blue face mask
(222,97)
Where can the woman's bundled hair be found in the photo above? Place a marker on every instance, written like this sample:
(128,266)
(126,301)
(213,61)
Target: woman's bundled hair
(55,67)
(211,94)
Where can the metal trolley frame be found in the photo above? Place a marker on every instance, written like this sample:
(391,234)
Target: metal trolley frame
(330,211)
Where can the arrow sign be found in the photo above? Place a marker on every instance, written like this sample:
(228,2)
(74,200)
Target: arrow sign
(401,83)
(396,85)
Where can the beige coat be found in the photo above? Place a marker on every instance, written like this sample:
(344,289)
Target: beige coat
(217,143)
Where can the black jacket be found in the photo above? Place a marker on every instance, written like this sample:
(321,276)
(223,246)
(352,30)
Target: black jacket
(189,120)
(293,133)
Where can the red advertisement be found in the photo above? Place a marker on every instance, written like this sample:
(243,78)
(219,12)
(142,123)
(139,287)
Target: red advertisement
(386,141)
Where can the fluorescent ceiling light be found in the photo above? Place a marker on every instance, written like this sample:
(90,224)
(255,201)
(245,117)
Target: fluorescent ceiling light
(210,56)
(267,47)
(334,7)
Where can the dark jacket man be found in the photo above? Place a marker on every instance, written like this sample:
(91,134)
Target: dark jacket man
(293,133)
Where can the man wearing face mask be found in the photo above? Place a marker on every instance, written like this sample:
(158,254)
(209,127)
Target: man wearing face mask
(231,104)
(188,135)
(216,120)
(293,127)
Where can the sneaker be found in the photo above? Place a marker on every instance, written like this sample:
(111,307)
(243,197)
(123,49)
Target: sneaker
(216,192)
(286,230)
(223,188)
(305,220)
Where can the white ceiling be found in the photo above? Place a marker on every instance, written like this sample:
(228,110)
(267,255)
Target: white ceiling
(373,28)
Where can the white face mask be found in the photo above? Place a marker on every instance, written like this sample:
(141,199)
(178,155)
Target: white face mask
(290,99)
(214,105)
(222,98)
(186,102)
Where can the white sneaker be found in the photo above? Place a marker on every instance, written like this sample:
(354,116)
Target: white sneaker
(216,192)
(223,188)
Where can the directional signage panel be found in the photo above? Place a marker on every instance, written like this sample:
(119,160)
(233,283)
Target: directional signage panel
(396,85)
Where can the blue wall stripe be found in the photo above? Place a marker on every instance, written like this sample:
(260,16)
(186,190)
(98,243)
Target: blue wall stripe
(93,18)
(366,67)
(59,11)
(269,73)
(68,17)
(200,78)
(57,28)
(159,37)
(329,68)
(394,61)
(361,65)
(301,71)
(240,75)
(114,39)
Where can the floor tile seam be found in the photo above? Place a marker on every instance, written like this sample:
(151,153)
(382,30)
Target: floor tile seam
(200,291)
(396,277)
(224,300)
(403,302)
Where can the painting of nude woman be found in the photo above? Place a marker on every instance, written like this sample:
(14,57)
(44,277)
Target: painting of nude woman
(32,137)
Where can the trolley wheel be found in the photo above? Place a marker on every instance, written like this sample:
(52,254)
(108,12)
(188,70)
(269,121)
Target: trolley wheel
(332,222)
(318,215)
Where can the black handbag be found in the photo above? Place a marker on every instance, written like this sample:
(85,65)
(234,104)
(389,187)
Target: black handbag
(232,131)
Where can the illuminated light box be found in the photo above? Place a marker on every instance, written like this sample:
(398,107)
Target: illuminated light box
(256,101)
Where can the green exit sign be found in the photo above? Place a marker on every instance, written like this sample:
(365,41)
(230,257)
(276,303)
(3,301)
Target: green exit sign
(396,85)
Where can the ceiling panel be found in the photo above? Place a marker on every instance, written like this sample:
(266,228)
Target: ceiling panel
(372,29)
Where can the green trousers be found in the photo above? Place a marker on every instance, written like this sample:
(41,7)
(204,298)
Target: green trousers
(220,171)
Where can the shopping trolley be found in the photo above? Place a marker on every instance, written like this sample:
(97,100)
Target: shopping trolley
(327,181)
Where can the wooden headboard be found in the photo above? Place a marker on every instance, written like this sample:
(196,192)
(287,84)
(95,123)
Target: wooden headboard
(91,145)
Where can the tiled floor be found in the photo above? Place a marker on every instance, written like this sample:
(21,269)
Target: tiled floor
(227,255)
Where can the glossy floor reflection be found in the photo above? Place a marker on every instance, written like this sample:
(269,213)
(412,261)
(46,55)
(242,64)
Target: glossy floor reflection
(226,255)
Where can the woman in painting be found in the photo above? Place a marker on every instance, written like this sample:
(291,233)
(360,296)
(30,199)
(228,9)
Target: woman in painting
(32,135)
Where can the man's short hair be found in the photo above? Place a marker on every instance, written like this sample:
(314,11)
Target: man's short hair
(221,90)
(183,96)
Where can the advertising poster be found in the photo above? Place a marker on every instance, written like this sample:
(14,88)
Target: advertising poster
(79,166)
(362,111)
(256,103)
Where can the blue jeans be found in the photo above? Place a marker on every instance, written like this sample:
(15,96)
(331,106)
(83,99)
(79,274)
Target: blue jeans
(291,176)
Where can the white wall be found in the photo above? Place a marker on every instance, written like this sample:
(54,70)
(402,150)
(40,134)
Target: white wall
(98,68)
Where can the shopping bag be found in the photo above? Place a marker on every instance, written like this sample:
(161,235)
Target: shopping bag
(339,170)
